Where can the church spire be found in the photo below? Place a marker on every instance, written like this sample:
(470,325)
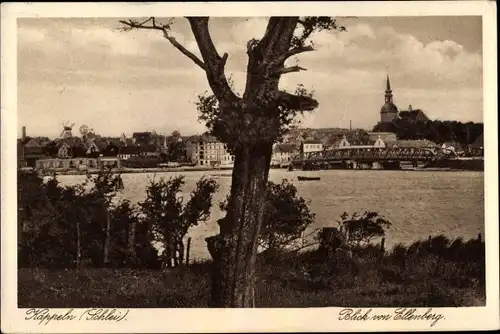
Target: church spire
(388,91)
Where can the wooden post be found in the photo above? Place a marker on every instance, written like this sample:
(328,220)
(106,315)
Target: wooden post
(330,241)
(107,238)
(187,250)
(78,245)
(479,237)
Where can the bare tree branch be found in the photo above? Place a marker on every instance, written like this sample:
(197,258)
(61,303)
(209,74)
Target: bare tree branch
(130,24)
(294,51)
(290,69)
(214,63)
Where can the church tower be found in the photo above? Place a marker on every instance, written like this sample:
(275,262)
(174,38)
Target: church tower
(389,109)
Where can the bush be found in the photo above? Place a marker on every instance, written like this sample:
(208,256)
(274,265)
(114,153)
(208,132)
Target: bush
(67,227)
(169,218)
(286,217)
(353,234)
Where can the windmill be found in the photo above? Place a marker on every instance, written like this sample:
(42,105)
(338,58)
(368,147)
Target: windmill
(84,130)
(66,132)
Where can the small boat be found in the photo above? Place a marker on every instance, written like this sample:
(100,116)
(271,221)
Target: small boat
(308,178)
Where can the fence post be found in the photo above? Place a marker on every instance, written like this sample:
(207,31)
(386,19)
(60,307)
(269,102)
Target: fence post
(382,246)
(329,241)
(187,250)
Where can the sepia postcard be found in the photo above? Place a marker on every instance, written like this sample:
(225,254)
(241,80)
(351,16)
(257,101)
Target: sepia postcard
(249,167)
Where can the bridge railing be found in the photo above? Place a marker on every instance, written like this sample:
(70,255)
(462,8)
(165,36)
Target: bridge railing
(373,153)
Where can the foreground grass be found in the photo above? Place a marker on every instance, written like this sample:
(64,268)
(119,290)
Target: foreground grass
(404,277)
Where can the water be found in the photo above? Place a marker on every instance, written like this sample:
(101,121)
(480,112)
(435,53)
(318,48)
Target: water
(418,204)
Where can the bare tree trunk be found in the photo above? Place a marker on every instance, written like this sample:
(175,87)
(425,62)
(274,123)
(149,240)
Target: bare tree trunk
(234,250)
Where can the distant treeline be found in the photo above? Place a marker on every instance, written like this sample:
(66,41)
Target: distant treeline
(436,131)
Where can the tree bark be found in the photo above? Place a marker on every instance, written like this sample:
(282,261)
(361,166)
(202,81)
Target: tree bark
(234,250)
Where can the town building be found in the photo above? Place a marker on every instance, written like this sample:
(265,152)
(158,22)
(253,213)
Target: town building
(381,143)
(147,139)
(32,149)
(311,145)
(389,111)
(283,153)
(343,142)
(206,150)
(58,164)
(391,118)
(385,136)
(142,138)
(127,152)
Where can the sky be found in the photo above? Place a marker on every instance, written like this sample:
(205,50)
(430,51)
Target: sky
(86,71)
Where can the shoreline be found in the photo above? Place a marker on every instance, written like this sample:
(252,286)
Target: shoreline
(173,170)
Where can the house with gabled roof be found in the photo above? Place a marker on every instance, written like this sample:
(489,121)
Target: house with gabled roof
(64,151)
(418,143)
(311,145)
(91,148)
(283,153)
(127,152)
(70,147)
(31,149)
(411,115)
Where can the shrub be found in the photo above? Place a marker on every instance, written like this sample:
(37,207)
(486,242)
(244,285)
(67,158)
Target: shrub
(354,233)
(72,226)
(286,217)
(169,219)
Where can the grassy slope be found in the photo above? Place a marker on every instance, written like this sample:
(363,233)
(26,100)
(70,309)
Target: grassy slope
(298,281)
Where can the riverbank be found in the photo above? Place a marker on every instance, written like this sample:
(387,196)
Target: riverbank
(453,167)
(136,170)
(470,164)
(450,277)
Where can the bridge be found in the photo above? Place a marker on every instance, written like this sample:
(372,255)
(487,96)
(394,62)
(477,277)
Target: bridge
(357,157)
